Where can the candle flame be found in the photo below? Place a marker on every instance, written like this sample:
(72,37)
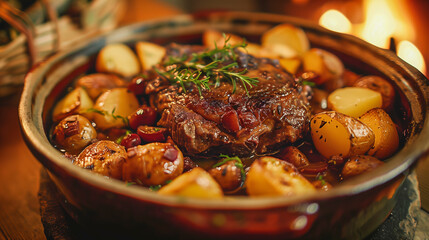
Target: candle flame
(385,19)
(411,54)
(335,21)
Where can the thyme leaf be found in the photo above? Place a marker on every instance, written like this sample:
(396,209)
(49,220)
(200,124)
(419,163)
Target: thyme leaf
(112,114)
(208,68)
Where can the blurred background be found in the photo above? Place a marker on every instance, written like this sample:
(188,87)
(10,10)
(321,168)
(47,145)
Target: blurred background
(399,25)
(31,30)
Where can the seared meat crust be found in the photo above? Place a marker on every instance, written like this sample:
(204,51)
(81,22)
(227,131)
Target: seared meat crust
(274,113)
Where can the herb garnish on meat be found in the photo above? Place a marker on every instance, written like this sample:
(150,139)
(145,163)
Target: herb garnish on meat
(209,68)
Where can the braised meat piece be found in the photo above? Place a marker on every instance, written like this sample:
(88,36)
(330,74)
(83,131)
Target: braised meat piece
(260,120)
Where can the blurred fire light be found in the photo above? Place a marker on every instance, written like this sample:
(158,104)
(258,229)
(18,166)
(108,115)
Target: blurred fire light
(335,21)
(409,53)
(384,19)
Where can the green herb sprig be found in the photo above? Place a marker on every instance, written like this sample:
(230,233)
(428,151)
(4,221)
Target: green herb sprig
(308,83)
(238,163)
(106,113)
(208,68)
(321,179)
(155,188)
(119,139)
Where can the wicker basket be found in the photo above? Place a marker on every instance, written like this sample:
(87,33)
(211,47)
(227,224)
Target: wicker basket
(39,40)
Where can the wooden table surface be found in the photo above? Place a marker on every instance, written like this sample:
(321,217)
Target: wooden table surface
(19,179)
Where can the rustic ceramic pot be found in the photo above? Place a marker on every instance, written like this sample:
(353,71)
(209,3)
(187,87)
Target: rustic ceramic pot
(351,210)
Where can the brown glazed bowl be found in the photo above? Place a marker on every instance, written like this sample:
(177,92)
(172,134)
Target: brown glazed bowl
(350,211)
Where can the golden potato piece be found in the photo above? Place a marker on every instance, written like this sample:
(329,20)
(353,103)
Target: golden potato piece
(75,102)
(354,101)
(103,157)
(337,135)
(290,64)
(286,40)
(325,64)
(113,107)
(118,58)
(213,38)
(228,175)
(386,136)
(358,165)
(269,176)
(196,183)
(97,83)
(380,85)
(293,155)
(153,164)
(150,54)
(74,133)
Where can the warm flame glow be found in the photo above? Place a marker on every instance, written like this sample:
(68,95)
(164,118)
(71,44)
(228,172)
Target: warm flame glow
(385,19)
(409,53)
(335,21)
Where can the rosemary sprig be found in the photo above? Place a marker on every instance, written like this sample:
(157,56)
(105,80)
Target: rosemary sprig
(238,163)
(207,67)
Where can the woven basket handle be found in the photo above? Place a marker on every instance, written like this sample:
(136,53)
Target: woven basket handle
(52,14)
(20,21)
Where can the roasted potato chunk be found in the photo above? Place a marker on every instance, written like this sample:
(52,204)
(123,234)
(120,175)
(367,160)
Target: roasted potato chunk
(337,135)
(113,107)
(228,175)
(74,133)
(103,157)
(290,64)
(354,101)
(386,136)
(286,40)
(153,164)
(196,183)
(322,185)
(213,39)
(75,102)
(150,54)
(380,85)
(325,64)
(97,83)
(269,176)
(119,59)
(293,155)
(359,164)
